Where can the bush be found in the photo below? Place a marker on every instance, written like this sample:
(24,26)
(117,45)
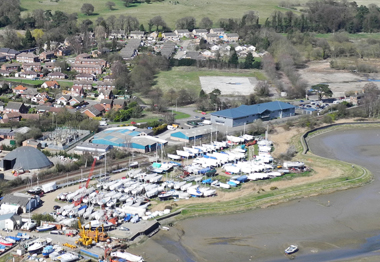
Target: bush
(273,188)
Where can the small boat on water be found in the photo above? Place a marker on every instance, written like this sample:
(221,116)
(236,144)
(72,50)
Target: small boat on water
(291,249)
(45,227)
(47,251)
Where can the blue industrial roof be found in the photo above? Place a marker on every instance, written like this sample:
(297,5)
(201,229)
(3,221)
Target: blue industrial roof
(244,110)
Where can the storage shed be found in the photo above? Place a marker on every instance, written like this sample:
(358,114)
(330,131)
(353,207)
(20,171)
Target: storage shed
(10,221)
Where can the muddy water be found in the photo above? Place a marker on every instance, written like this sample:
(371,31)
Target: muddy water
(340,226)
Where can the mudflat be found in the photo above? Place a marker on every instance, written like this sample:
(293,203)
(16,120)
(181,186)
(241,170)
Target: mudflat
(340,226)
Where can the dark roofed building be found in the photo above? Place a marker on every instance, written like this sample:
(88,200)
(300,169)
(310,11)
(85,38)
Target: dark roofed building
(17,107)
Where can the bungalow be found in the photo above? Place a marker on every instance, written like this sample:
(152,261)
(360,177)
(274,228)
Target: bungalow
(218,31)
(32,67)
(170,36)
(29,94)
(57,75)
(87,85)
(84,77)
(5,72)
(51,66)
(63,99)
(47,55)
(17,107)
(182,33)
(13,116)
(29,74)
(27,58)
(11,67)
(119,104)
(105,86)
(107,94)
(19,89)
(50,84)
(77,91)
(9,53)
(76,101)
(199,33)
(107,104)
(136,35)
(94,111)
(87,68)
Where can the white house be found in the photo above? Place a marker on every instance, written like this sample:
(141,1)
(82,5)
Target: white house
(10,221)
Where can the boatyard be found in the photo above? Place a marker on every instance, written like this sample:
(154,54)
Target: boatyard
(104,212)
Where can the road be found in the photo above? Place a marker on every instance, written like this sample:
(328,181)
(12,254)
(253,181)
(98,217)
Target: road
(182,53)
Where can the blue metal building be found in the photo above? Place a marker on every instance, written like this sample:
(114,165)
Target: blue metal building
(247,114)
(187,135)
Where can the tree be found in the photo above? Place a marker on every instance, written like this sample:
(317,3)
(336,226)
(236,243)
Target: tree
(205,23)
(157,21)
(234,59)
(262,88)
(187,22)
(110,5)
(87,9)
(322,90)
(29,40)
(248,63)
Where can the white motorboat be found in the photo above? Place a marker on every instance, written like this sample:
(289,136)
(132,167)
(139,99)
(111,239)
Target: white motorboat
(68,257)
(38,245)
(45,227)
(127,256)
(29,225)
(111,203)
(291,249)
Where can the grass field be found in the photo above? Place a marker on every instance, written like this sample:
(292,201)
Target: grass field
(188,77)
(36,82)
(215,9)
(353,36)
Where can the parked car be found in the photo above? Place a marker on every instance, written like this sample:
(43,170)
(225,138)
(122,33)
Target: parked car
(56,207)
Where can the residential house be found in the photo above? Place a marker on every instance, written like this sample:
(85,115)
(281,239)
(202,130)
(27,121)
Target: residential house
(106,94)
(9,53)
(51,46)
(169,36)
(19,89)
(105,86)
(63,99)
(57,75)
(4,72)
(52,67)
(87,69)
(82,56)
(167,49)
(47,55)
(199,33)
(212,37)
(32,67)
(11,67)
(77,91)
(13,116)
(88,61)
(62,52)
(50,84)
(84,77)
(119,104)
(87,85)
(29,93)
(107,104)
(41,98)
(232,37)
(218,31)
(128,53)
(108,78)
(118,34)
(27,58)
(136,35)
(182,33)
(29,74)
(94,110)
(77,100)
(16,107)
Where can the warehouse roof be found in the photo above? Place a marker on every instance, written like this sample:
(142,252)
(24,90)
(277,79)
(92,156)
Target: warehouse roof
(193,132)
(28,158)
(117,136)
(244,110)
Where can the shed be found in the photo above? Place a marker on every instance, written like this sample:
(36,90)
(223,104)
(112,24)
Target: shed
(10,221)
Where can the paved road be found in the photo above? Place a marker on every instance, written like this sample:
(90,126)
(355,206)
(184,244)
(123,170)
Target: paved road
(182,53)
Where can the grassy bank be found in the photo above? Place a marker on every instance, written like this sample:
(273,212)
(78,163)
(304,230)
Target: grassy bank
(349,178)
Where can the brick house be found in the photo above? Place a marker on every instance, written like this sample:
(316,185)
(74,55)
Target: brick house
(170,36)
(12,116)
(108,78)
(27,58)
(11,67)
(47,55)
(119,104)
(87,85)
(32,143)
(94,111)
(182,33)
(9,53)
(105,86)
(200,33)
(36,67)
(29,74)
(77,91)
(57,75)
(5,72)
(16,107)
(50,84)
(87,69)
(218,31)
(52,67)
(107,104)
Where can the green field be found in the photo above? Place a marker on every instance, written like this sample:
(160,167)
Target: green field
(353,36)
(214,9)
(188,77)
(36,82)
